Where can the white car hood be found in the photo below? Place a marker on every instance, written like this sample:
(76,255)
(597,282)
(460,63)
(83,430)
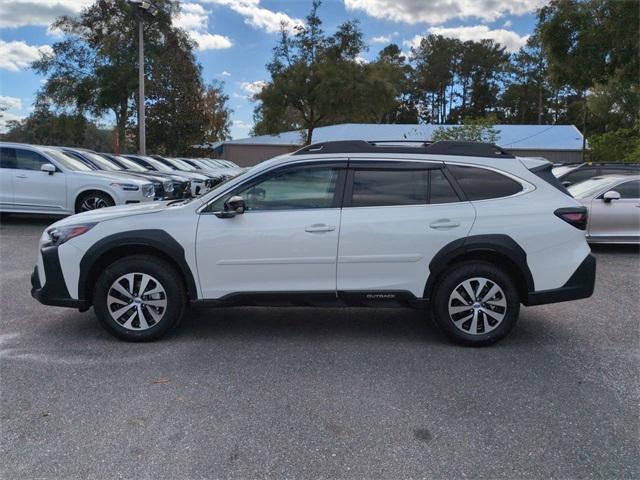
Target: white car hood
(109,213)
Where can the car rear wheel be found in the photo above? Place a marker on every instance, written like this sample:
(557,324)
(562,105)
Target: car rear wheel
(476,303)
(139,298)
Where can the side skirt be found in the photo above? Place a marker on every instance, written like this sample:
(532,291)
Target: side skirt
(373,299)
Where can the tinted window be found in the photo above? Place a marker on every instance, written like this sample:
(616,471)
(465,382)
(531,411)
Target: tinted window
(441,189)
(389,187)
(628,189)
(292,190)
(579,175)
(28,160)
(618,171)
(7,157)
(481,184)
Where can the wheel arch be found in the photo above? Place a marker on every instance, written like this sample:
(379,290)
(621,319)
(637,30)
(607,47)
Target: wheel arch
(114,247)
(498,249)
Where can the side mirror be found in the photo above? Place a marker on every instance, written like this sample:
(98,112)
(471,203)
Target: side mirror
(49,168)
(611,195)
(232,207)
(566,183)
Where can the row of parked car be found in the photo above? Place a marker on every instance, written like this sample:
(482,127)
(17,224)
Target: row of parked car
(64,180)
(611,193)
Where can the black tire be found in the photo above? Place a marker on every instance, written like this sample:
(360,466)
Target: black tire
(502,319)
(99,199)
(162,274)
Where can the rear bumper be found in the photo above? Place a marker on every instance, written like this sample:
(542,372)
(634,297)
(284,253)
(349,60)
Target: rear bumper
(54,292)
(580,285)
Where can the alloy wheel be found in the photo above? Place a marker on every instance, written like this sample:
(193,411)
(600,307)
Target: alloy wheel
(477,306)
(92,202)
(137,301)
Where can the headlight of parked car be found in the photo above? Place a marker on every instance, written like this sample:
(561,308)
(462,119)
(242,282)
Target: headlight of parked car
(147,190)
(126,186)
(59,235)
(168,186)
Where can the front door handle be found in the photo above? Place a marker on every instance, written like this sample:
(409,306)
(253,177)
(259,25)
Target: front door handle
(319,228)
(444,224)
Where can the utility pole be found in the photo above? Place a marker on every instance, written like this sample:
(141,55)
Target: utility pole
(142,147)
(143,7)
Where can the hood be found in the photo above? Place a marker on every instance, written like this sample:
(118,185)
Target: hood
(110,213)
(118,177)
(191,175)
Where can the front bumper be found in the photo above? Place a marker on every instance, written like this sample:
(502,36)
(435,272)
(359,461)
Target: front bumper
(580,285)
(54,292)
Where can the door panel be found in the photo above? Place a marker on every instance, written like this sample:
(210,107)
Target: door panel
(617,218)
(35,189)
(268,251)
(389,248)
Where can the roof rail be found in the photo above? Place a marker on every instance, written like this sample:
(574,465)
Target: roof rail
(442,147)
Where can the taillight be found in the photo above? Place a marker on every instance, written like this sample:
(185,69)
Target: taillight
(575,216)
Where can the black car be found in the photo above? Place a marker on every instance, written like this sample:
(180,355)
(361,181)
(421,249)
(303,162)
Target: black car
(181,184)
(570,174)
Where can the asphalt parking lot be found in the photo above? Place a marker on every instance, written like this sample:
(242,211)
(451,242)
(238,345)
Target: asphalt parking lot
(268,392)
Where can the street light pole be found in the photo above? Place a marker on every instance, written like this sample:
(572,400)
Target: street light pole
(141,120)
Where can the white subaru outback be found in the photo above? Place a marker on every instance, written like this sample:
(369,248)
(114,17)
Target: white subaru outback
(464,230)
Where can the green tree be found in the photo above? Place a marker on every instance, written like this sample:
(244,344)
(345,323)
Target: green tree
(621,145)
(317,79)
(472,130)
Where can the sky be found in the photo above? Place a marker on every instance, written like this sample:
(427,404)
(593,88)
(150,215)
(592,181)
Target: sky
(235,37)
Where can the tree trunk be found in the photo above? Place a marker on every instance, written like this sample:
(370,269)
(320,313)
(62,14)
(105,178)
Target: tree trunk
(540,105)
(309,137)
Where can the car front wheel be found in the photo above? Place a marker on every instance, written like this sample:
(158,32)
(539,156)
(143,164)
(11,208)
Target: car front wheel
(139,298)
(476,303)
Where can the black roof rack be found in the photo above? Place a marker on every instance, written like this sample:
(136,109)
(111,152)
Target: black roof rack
(442,147)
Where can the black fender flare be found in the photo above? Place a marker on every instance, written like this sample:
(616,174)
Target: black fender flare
(153,238)
(494,244)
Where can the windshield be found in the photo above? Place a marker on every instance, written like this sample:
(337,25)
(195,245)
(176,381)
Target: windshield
(130,164)
(559,171)
(67,161)
(179,164)
(101,162)
(158,165)
(589,187)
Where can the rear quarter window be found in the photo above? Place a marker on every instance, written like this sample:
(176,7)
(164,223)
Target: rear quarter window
(483,184)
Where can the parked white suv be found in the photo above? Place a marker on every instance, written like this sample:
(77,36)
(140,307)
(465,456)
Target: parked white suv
(35,179)
(464,229)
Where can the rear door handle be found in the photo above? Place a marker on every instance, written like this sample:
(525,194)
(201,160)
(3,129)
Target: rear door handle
(444,224)
(319,228)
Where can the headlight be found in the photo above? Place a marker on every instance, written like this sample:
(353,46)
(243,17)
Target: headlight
(168,186)
(126,186)
(59,235)
(147,190)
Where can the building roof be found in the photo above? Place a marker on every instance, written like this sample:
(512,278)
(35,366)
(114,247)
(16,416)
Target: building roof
(516,137)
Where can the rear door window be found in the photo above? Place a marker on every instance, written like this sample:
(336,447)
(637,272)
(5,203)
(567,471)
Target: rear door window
(374,188)
(483,184)
(8,157)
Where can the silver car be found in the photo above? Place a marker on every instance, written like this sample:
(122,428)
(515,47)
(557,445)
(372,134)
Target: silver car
(613,202)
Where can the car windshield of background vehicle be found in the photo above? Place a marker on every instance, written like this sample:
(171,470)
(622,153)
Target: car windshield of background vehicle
(158,165)
(589,187)
(67,161)
(180,164)
(102,162)
(130,164)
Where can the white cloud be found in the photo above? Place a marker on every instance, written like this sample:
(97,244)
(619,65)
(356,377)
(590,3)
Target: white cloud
(507,24)
(210,41)
(241,124)
(10,103)
(7,117)
(381,39)
(507,38)
(253,87)
(361,60)
(194,19)
(439,11)
(225,73)
(18,13)
(17,55)
(257,16)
